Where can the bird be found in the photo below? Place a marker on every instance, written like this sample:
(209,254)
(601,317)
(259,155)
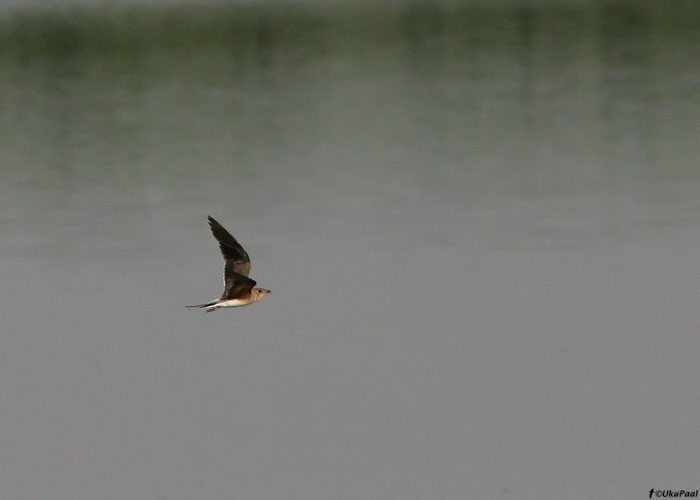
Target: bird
(238,287)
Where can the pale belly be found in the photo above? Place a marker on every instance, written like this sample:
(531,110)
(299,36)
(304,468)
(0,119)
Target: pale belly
(233,303)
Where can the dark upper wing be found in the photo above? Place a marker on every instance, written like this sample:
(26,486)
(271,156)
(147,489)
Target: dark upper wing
(236,285)
(237,260)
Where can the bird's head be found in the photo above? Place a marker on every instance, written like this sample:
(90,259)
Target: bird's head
(259,293)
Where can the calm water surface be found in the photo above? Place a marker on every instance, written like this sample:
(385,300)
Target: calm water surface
(480,224)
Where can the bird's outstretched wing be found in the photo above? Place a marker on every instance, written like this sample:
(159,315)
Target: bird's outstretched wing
(236,258)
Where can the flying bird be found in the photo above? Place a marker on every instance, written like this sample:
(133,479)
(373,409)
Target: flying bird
(238,287)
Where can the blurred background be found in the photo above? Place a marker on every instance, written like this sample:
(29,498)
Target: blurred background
(480,222)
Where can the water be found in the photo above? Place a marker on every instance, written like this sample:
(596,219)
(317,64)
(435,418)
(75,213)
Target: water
(479,224)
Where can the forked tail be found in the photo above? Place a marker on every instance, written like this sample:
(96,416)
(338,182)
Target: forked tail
(208,304)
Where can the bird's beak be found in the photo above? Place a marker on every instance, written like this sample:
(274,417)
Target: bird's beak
(267,291)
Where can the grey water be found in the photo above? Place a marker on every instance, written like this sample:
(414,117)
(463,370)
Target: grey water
(480,222)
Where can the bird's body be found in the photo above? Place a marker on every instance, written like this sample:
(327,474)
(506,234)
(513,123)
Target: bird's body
(238,287)
(221,303)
